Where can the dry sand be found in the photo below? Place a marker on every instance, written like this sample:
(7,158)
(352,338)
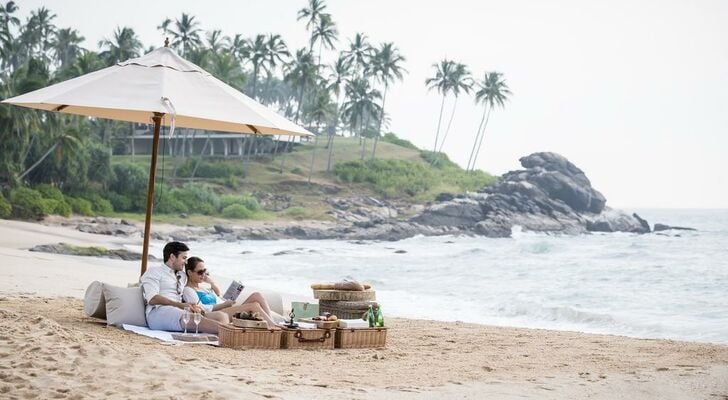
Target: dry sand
(50,349)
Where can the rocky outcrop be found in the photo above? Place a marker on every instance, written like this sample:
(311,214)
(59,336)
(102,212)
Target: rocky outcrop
(550,195)
(663,227)
(92,251)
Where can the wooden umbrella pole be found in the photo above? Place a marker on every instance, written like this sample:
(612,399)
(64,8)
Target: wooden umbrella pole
(150,192)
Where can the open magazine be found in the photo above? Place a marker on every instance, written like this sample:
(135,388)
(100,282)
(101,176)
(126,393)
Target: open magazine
(233,291)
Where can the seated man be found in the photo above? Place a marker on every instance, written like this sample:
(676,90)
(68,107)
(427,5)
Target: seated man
(162,287)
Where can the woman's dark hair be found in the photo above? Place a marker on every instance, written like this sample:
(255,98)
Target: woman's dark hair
(173,248)
(192,263)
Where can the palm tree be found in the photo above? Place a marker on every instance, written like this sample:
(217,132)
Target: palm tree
(257,51)
(124,45)
(87,61)
(340,72)
(164,26)
(239,47)
(460,80)
(185,33)
(66,46)
(216,41)
(41,22)
(276,53)
(325,33)
(225,67)
(312,14)
(387,68)
(7,19)
(441,82)
(361,105)
(301,73)
(492,91)
(359,53)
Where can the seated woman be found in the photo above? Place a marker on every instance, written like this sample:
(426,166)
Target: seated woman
(216,308)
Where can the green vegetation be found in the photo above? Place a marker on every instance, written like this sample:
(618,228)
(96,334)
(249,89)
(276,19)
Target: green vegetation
(6,209)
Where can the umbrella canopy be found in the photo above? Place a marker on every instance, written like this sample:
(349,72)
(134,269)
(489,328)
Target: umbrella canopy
(163,82)
(150,87)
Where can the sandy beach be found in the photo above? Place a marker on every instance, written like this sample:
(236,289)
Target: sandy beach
(50,349)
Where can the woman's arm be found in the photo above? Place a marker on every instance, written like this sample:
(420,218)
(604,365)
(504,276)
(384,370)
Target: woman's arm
(223,305)
(213,285)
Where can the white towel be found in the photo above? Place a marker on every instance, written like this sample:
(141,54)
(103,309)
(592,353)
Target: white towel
(353,323)
(161,335)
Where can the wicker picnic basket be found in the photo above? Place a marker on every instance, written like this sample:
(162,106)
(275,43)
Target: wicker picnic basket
(345,295)
(246,338)
(347,338)
(346,309)
(307,338)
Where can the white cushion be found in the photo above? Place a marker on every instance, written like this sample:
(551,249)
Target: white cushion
(94,303)
(124,306)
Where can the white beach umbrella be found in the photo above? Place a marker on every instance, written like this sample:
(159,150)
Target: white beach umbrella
(163,88)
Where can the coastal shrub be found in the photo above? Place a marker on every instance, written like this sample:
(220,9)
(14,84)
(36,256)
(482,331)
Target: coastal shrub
(296,212)
(28,204)
(388,177)
(297,171)
(5,208)
(120,203)
(237,211)
(99,165)
(55,202)
(99,204)
(170,205)
(249,202)
(80,206)
(197,198)
(129,178)
(394,139)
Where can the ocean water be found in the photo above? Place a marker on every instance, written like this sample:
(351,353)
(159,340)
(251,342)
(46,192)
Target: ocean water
(672,286)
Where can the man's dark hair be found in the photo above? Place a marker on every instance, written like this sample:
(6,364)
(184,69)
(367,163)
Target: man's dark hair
(174,248)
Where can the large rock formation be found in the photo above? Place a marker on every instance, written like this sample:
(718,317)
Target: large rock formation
(550,195)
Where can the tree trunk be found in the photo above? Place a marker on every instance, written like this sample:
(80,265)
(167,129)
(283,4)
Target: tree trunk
(331,152)
(255,81)
(313,157)
(381,117)
(449,124)
(285,153)
(32,167)
(477,135)
(439,120)
(482,136)
(194,170)
(300,100)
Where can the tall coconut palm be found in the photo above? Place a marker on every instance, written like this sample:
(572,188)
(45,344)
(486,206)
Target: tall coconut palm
(165,26)
(216,41)
(441,82)
(361,106)
(239,46)
(312,15)
(492,91)
(7,20)
(325,33)
(257,51)
(460,81)
(387,68)
(359,53)
(66,46)
(124,45)
(276,54)
(42,21)
(301,74)
(340,72)
(225,67)
(185,33)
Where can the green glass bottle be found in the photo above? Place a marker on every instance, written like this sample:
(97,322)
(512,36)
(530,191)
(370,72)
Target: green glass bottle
(380,317)
(370,317)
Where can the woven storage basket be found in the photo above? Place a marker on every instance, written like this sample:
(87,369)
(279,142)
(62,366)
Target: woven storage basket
(346,295)
(245,338)
(347,338)
(346,309)
(307,338)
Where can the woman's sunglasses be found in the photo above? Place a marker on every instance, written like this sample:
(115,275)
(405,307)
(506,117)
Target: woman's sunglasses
(201,272)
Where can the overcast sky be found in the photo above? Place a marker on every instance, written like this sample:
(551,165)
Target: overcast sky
(635,93)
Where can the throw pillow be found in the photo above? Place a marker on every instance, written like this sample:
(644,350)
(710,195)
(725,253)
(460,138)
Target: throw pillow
(94,303)
(124,306)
